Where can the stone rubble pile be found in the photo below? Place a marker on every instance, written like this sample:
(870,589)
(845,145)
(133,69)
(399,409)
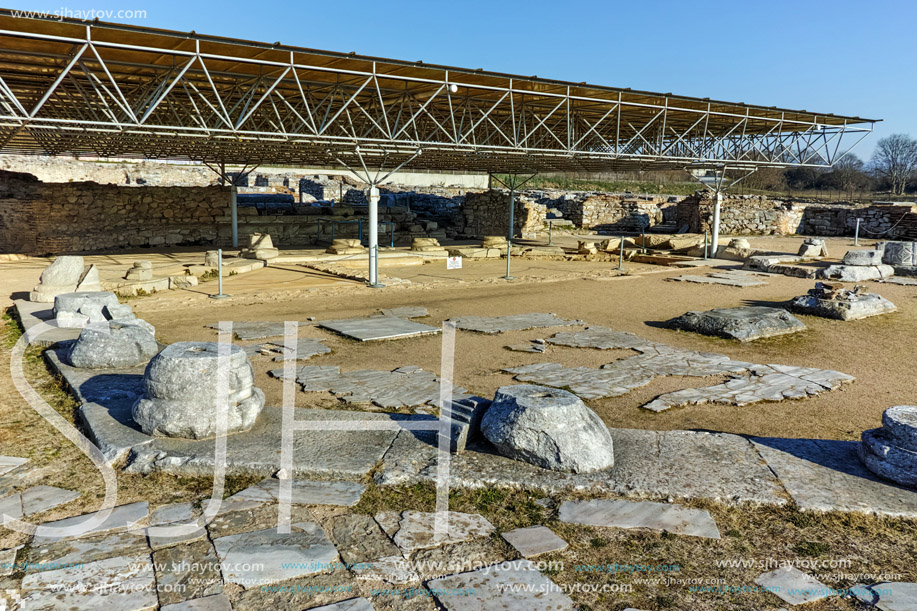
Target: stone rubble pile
(833,301)
(891,451)
(65,275)
(183,388)
(76,310)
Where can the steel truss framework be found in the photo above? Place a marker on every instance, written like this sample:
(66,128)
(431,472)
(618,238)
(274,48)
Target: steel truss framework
(120,91)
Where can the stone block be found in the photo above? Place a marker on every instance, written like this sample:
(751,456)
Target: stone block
(547,427)
(857,273)
(113,345)
(744,324)
(182,392)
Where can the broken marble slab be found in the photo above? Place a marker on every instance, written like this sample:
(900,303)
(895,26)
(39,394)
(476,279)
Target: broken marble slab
(245,330)
(617,513)
(123,517)
(8,561)
(793,586)
(888,595)
(406,312)
(414,530)
(377,328)
(620,377)
(765,383)
(8,463)
(513,322)
(537,346)
(303,492)
(217,602)
(899,280)
(35,500)
(827,475)
(730,278)
(408,386)
(510,586)
(306,348)
(598,337)
(114,583)
(721,467)
(267,556)
(534,541)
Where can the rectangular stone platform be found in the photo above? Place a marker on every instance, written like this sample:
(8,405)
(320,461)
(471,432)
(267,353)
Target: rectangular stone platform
(377,328)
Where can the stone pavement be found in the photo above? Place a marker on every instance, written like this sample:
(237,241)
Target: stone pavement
(377,328)
(758,382)
(408,386)
(738,278)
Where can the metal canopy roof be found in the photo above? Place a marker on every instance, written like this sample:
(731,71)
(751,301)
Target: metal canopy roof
(71,87)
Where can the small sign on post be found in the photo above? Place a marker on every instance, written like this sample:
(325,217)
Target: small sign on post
(453,263)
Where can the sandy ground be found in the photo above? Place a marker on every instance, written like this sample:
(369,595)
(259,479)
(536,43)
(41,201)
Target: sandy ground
(876,351)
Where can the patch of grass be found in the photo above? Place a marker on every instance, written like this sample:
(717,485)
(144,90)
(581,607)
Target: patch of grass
(597,542)
(210,274)
(811,548)
(12,328)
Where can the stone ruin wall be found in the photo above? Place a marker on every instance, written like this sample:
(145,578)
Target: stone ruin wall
(740,215)
(487,213)
(40,218)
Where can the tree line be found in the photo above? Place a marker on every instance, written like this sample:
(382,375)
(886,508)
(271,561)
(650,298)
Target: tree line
(892,169)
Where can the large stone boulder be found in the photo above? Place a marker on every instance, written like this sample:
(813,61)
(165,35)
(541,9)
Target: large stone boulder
(62,276)
(182,389)
(547,427)
(112,345)
(857,273)
(839,303)
(76,310)
(744,324)
(863,257)
(891,451)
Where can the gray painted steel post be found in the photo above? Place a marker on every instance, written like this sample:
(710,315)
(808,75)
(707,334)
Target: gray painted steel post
(856,235)
(550,233)
(509,235)
(621,256)
(373,236)
(220,294)
(705,245)
(234,211)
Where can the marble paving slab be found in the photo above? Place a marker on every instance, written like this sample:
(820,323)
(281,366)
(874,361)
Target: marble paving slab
(827,475)
(378,328)
(501,588)
(514,322)
(617,513)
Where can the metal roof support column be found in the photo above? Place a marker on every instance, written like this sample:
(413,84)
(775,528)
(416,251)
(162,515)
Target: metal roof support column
(513,182)
(718,203)
(234,212)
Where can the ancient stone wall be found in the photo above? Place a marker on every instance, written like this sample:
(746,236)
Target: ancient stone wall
(741,215)
(487,213)
(876,221)
(40,218)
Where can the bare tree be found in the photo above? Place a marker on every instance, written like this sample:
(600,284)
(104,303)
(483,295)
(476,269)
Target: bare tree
(895,161)
(846,175)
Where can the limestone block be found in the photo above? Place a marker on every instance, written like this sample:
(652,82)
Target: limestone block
(212,258)
(426,245)
(900,253)
(346,247)
(260,247)
(743,324)
(90,280)
(879,453)
(182,281)
(141,270)
(62,276)
(547,427)
(85,302)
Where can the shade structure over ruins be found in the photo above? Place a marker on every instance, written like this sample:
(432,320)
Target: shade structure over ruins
(70,86)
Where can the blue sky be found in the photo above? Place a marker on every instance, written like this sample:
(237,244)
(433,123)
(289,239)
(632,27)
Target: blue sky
(845,57)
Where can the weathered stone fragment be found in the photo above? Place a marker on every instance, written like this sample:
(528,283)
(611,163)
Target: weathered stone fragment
(547,427)
(261,247)
(62,276)
(863,257)
(841,304)
(857,273)
(744,324)
(113,345)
